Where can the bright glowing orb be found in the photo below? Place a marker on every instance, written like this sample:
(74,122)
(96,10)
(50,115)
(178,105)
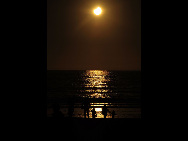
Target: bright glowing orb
(98,11)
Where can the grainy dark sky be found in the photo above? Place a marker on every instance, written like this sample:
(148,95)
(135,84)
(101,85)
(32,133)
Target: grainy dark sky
(77,39)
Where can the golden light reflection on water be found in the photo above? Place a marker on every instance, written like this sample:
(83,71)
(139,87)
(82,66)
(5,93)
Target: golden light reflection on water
(97,90)
(96,80)
(96,86)
(98,110)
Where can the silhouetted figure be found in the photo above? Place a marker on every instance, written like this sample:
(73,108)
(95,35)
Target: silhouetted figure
(104,111)
(113,113)
(71,108)
(93,113)
(86,105)
(56,111)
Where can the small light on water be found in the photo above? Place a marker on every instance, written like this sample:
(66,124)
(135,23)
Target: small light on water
(98,109)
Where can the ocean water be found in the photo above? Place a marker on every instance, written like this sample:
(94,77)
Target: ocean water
(119,90)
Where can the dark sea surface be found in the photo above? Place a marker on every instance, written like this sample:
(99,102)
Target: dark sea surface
(119,90)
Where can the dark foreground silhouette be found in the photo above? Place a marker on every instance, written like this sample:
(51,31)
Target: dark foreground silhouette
(113,114)
(70,108)
(104,111)
(85,106)
(93,113)
(56,111)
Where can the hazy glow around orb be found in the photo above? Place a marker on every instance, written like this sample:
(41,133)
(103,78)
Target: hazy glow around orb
(98,11)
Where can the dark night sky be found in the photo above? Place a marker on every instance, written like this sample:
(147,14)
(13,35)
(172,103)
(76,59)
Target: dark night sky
(78,40)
